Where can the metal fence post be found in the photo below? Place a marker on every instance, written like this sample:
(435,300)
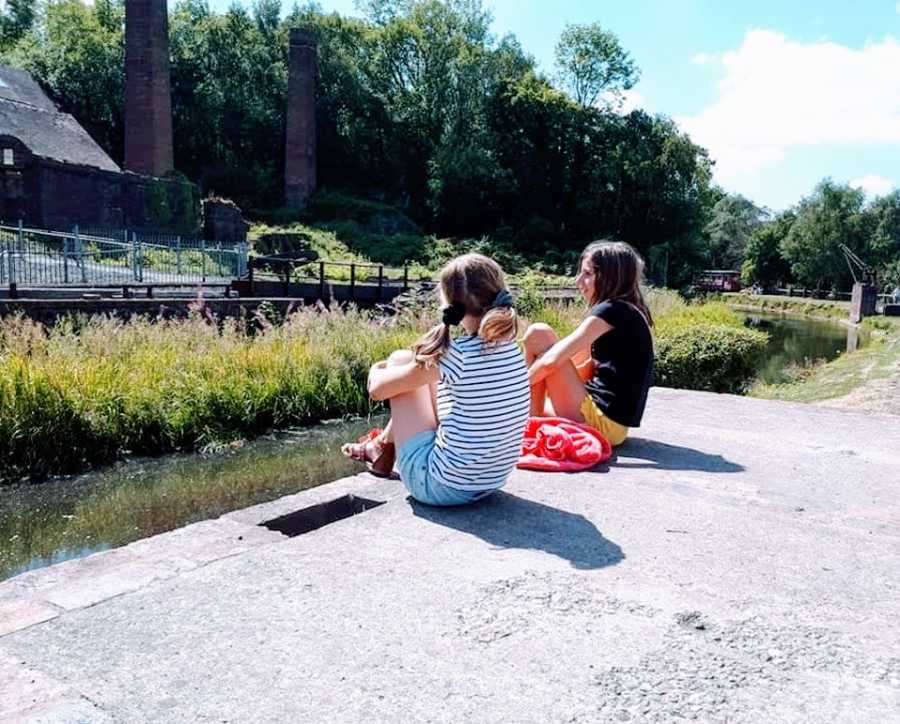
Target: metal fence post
(80,251)
(380,282)
(20,238)
(203,260)
(134,257)
(322,280)
(66,260)
(178,255)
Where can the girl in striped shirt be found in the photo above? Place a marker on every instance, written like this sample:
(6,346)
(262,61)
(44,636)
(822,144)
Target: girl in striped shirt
(458,405)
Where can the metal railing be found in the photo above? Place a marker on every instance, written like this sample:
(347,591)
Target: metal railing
(37,257)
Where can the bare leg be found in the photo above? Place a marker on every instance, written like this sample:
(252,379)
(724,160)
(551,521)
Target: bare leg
(411,412)
(564,387)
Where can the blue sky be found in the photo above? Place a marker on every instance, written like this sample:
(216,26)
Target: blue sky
(781,93)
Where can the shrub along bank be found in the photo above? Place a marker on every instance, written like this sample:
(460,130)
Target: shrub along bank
(88,391)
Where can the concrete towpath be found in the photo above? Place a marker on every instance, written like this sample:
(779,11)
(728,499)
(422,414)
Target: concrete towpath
(739,561)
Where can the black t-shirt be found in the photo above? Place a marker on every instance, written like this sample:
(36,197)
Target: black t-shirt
(623,363)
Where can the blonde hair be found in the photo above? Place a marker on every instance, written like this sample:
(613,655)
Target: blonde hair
(472,282)
(618,271)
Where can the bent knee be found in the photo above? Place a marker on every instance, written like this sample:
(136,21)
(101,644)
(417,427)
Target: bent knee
(400,357)
(539,337)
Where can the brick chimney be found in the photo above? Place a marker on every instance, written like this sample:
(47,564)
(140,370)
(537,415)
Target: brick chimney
(300,144)
(148,102)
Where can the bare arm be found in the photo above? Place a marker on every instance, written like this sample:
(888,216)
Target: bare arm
(575,347)
(387,381)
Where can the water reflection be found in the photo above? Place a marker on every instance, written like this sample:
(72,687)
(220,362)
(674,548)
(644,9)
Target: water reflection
(798,343)
(45,523)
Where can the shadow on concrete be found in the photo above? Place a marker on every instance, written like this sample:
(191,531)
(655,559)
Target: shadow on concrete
(508,521)
(637,452)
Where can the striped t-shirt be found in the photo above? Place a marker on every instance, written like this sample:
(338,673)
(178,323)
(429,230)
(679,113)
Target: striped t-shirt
(483,404)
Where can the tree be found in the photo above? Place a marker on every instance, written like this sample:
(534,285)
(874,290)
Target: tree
(16,20)
(763,262)
(734,219)
(885,242)
(592,66)
(832,215)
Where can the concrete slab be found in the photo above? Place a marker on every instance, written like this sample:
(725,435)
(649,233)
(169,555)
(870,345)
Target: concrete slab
(739,561)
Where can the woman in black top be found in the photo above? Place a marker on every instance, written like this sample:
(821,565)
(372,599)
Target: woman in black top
(600,373)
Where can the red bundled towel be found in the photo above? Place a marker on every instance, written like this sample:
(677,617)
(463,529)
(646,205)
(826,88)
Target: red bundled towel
(555,444)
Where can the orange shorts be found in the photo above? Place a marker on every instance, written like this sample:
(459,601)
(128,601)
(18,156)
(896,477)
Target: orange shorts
(610,429)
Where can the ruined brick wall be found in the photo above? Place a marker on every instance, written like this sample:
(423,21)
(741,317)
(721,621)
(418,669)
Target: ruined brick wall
(300,140)
(148,103)
(223,221)
(77,195)
(62,196)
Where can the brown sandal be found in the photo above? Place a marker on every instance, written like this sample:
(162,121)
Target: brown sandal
(382,464)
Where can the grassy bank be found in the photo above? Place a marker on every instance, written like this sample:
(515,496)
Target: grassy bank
(86,392)
(827,309)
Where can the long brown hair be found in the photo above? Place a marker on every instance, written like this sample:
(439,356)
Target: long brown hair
(471,281)
(618,271)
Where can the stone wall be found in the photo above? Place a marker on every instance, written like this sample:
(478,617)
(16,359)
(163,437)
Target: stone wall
(60,196)
(223,221)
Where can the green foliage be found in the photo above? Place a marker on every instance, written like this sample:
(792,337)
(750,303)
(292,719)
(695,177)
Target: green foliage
(159,211)
(763,263)
(832,215)
(418,105)
(713,357)
(592,64)
(16,19)
(734,220)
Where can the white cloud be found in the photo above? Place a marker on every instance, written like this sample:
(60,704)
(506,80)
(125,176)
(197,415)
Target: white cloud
(778,95)
(873,184)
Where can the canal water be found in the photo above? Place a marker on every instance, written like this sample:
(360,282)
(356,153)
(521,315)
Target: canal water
(796,343)
(48,522)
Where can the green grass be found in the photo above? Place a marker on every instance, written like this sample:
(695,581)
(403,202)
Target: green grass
(814,308)
(76,395)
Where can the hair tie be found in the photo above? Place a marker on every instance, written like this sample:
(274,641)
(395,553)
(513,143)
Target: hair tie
(453,313)
(503,299)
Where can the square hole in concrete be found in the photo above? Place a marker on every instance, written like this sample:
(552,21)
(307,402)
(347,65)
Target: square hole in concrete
(317,516)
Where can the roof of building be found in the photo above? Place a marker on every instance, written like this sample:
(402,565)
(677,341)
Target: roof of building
(28,114)
(18,85)
(52,135)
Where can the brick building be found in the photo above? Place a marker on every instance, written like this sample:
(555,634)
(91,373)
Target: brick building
(53,174)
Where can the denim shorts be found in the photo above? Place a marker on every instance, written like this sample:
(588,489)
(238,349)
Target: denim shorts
(412,462)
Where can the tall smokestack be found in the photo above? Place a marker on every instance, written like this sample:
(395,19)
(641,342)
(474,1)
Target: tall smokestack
(148,102)
(300,146)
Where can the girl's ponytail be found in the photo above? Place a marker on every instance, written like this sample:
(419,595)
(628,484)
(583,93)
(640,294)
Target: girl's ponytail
(501,323)
(470,284)
(434,343)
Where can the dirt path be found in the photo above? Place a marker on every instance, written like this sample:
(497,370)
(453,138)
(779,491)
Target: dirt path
(880,395)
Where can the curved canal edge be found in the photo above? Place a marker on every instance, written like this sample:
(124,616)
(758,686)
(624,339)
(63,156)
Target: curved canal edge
(865,379)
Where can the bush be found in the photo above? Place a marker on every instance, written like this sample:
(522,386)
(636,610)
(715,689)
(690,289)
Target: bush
(711,357)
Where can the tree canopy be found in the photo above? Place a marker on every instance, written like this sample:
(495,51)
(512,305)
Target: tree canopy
(421,106)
